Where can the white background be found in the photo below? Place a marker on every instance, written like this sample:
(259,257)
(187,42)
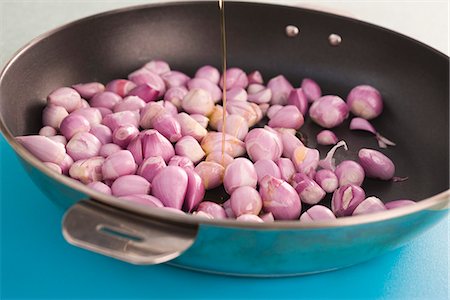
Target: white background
(426,21)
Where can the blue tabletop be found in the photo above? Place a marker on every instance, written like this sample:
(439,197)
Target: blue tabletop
(36,262)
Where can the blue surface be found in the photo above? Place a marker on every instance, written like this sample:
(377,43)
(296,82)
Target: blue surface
(36,262)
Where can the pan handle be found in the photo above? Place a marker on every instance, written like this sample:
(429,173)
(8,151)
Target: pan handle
(123,235)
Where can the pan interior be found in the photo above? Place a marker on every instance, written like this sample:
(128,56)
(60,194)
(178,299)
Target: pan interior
(412,78)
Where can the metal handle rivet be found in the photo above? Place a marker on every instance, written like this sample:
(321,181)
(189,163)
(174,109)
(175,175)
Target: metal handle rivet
(334,39)
(292,31)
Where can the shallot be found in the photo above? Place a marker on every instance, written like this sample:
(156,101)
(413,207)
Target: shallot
(317,213)
(149,140)
(376,164)
(328,111)
(365,101)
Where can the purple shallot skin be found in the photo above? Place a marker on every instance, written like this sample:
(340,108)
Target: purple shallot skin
(250,218)
(245,200)
(369,205)
(311,89)
(365,101)
(211,173)
(241,172)
(308,190)
(195,191)
(181,161)
(150,167)
(281,88)
(345,199)
(398,203)
(327,180)
(44,148)
(130,185)
(349,172)
(213,209)
(279,198)
(146,200)
(376,164)
(329,111)
(164,119)
(170,186)
(265,167)
(326,137)
(298,98)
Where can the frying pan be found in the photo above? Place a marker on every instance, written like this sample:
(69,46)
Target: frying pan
(413,79)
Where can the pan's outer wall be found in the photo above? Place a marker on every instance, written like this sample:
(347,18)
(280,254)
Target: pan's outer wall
(412,78)
(299,252)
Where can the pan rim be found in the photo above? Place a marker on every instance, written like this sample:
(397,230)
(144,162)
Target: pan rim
(436,200)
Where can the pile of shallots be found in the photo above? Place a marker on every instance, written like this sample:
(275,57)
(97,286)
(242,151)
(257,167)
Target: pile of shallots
(156,139)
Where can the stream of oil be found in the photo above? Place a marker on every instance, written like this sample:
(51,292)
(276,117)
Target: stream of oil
(223,43)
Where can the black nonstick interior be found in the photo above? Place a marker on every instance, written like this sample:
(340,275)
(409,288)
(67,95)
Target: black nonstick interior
(413,78)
